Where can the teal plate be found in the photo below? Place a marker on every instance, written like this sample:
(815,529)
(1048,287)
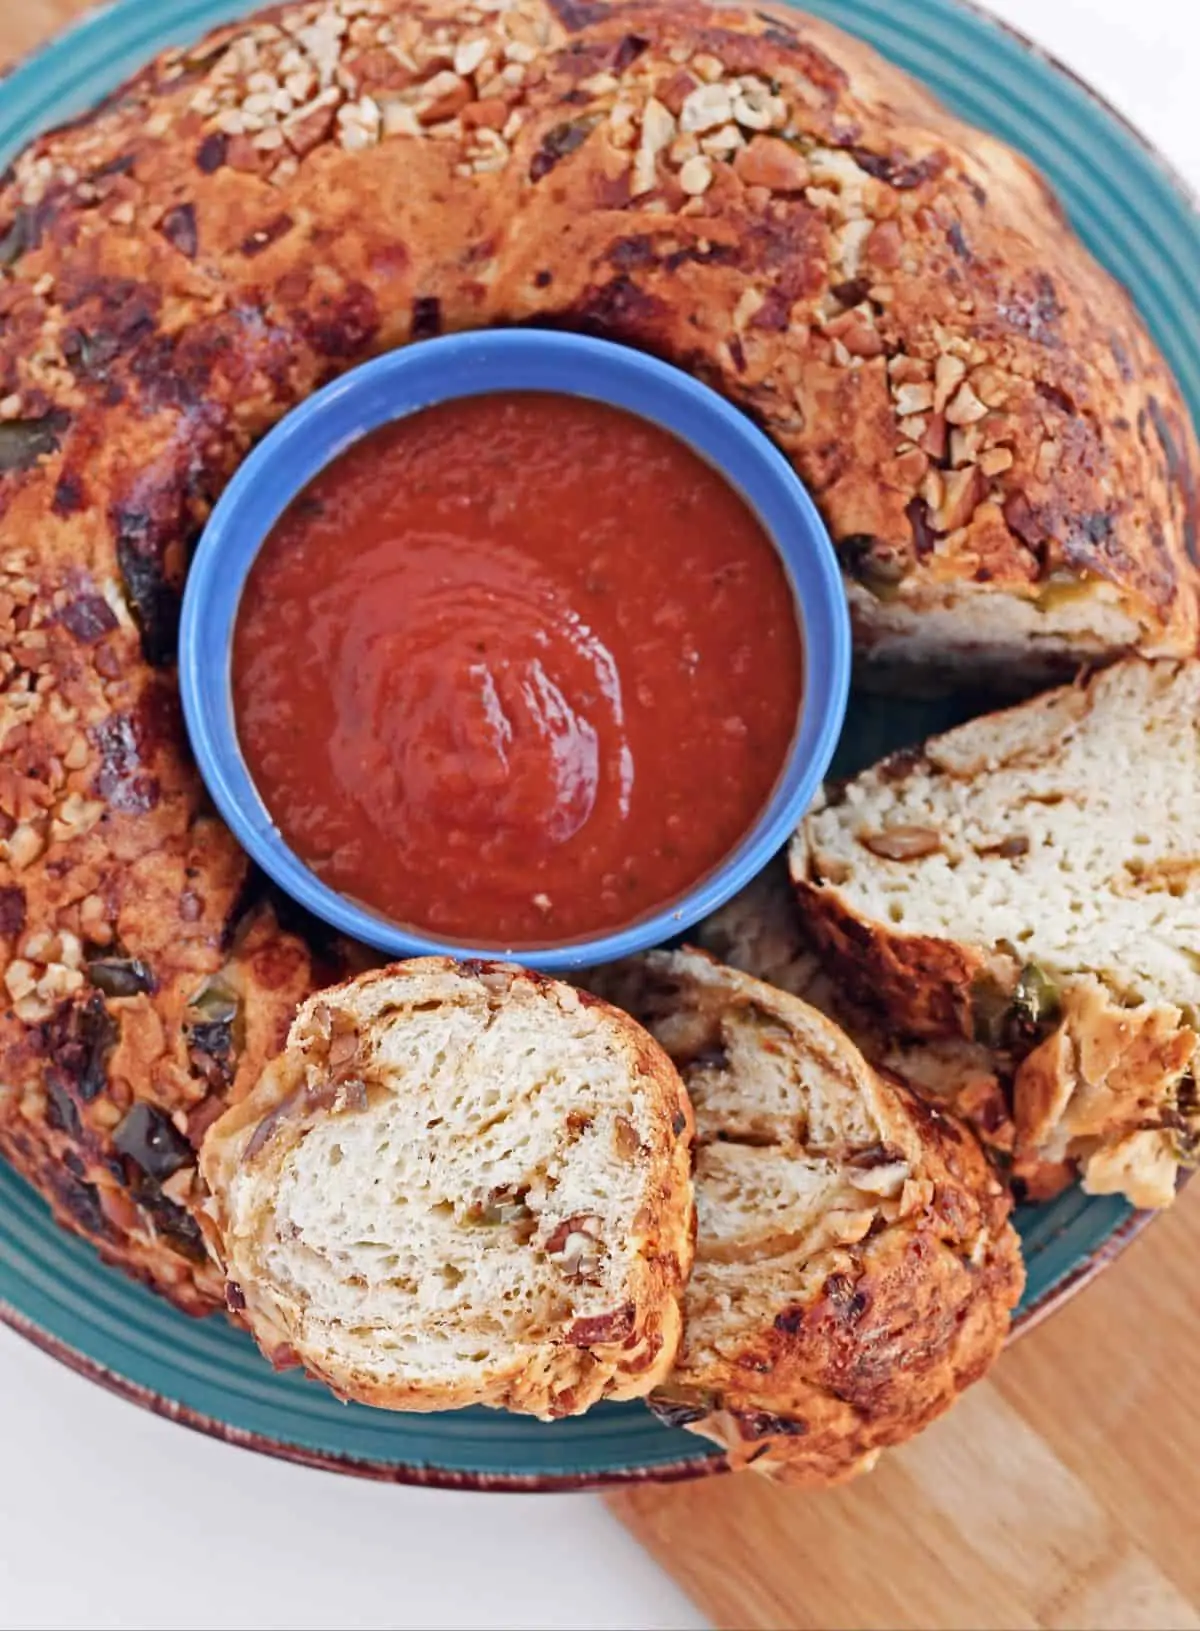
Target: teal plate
(1136,217)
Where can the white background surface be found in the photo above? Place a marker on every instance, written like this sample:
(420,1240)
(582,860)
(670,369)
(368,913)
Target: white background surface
(110,1517)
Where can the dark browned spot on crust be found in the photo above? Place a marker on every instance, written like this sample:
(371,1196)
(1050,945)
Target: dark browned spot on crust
(426,317)
(629,49)
(342,327)
(81,1201)
(629,254)
(62,1114)
(22,235)
(903,174)
(122,780)
(919,519)
(88,617)
(210,155)
(12,909)
(1054,394)
(848,1302)
(620,308)
(179,1227)
(235,1297)
(153,600)
(77,1040)
(578,14)
(557,144)
(1035,311)
(263,237)
(761,1424)
(69,495)
(957,241)
(1120,356)
(852,292)
(178,227)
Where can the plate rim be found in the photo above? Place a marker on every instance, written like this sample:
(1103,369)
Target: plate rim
(705,1464)
(412,1474)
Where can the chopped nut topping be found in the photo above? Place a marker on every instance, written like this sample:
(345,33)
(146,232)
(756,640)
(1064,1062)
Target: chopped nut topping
(706,108)
(706,67)
(948,374)
(913,399)
(769,162)
(658,130)
(469,54)
(995,460)
(964,490)
(965,408)
(696,176)
(723,142)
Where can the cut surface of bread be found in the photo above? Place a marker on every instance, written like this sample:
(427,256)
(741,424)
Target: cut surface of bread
(1031,881)
(855,1269)
(460,1184)
(761,931)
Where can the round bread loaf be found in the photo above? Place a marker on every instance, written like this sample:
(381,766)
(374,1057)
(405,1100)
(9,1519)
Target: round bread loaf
(855,1269)
(1000,454)
(460,1184)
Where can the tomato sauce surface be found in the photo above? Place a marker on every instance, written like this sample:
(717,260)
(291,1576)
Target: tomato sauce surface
(516,669)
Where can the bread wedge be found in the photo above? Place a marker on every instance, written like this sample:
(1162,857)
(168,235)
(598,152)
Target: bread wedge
(761,931)
(855,1269)
(1031,881)
(460,1184)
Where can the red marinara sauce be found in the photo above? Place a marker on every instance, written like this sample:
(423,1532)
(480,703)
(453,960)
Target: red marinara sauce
(516,669)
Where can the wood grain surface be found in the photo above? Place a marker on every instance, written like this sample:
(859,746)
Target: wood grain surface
(1063,1492)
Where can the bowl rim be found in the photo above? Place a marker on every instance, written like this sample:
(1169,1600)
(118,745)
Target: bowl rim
(480,362)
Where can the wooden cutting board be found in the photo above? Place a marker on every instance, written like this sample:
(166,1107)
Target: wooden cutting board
(1062,1492)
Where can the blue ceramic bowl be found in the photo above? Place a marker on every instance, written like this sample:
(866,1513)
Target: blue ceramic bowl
(463,365)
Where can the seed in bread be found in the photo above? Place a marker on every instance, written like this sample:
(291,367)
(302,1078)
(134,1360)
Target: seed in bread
(1031,880)
(460,1184)
(855,1268)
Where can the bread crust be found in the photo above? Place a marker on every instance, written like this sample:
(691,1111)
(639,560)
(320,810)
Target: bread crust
(620,1354)
(877,1334)
(185,264)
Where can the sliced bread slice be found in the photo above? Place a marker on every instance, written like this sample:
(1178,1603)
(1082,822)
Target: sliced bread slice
(761,931)
(460,1184)
(855,1268)
(1031,881)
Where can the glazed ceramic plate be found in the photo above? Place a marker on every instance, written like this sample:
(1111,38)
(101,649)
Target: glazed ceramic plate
(1137,219)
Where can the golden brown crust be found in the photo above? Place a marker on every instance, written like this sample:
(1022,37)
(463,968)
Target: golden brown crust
(927,980)
(325,1071)
(885,1323)
(187,262)
(1111,1089)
